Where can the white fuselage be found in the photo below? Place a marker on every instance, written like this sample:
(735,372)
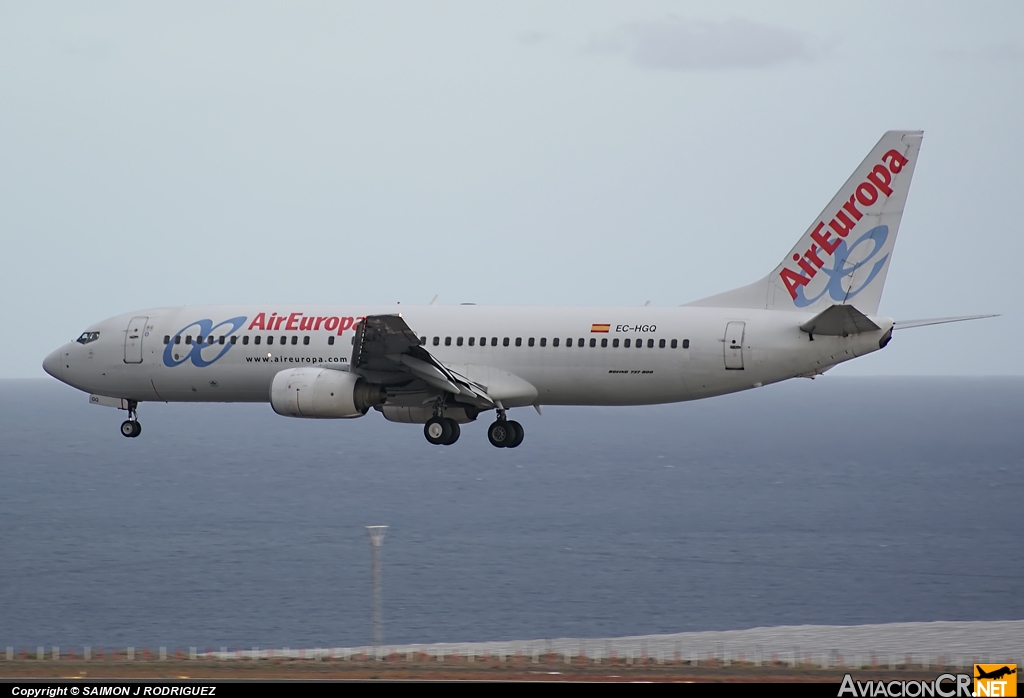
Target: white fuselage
(673,354)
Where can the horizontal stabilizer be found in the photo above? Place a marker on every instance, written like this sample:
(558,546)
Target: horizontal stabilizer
(907,324)
(839,321)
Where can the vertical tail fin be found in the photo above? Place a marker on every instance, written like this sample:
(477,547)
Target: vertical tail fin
(844,256)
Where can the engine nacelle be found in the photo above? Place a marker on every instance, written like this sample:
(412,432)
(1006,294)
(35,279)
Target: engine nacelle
(322,393)
(420,415)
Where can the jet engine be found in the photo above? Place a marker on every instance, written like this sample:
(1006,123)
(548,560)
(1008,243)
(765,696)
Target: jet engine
(322,393)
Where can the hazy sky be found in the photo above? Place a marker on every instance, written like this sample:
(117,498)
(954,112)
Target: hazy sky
(541,153)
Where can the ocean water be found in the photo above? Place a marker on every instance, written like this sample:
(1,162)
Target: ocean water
(837,501)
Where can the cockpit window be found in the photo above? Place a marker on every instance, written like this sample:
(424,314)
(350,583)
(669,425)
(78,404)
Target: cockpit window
(88,337)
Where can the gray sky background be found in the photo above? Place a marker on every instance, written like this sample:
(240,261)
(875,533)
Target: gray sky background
(536,153)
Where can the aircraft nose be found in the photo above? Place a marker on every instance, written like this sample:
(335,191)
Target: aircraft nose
(53,364)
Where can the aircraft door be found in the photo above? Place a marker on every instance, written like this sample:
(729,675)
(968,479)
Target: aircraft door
(734,345)
(133,340)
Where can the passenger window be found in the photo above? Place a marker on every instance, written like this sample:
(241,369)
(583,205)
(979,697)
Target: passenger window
(437,341)
(245,340)
(686,344)
(295,339)
(554,342)
(423,340)
(625,343)
(167,339)
(661,343)
(675,343)
(483,341)
(604,342)
(650,343)
(615,342)
(447,341)
(504,342)
(305,340)
(529,342)
(234,339)
(458,341)
(472,341)
(177,339)
(210,339)
(568,342)
(330,340)
(543,341)
(220,340)
(494,341)
(270,339)
(256,340)
(188,339)
(519,341)
(593,342)
(639,344)
(199,339)
(284,340)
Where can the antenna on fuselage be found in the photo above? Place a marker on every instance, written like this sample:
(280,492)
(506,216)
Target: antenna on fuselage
(433,300)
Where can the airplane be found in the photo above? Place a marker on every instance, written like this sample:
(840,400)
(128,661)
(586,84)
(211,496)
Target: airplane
(996,674)
(443,366)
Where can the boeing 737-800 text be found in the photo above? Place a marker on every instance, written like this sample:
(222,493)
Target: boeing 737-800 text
(442,366)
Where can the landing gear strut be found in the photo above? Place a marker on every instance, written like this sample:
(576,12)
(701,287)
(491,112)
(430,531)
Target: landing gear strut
(131,427)
(505,433)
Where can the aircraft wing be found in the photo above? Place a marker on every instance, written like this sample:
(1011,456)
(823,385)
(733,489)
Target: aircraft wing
(386,351)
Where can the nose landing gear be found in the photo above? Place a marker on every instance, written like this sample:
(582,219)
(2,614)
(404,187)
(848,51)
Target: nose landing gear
(131,427)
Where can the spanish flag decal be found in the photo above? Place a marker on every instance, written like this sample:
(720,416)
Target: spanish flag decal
(599,327)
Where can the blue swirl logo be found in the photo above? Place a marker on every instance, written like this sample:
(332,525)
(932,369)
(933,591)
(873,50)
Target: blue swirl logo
(205,328)
(834,286)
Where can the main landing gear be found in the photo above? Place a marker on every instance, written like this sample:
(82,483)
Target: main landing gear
(442,431)
(131,427)
(505,433)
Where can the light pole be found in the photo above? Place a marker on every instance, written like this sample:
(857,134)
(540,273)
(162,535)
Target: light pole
(376,534)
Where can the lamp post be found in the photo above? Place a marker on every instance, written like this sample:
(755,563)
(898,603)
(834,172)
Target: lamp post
(376,534)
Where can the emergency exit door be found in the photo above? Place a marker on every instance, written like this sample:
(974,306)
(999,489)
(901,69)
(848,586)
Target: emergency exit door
(133,340)
(734,345)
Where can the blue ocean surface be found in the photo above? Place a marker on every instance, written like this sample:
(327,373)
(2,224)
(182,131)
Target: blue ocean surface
(837,501)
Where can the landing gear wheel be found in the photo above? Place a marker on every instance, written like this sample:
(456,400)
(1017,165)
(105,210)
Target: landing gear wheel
(499,434)
(131,428)
(456,431)
(517,438)
(438,430)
